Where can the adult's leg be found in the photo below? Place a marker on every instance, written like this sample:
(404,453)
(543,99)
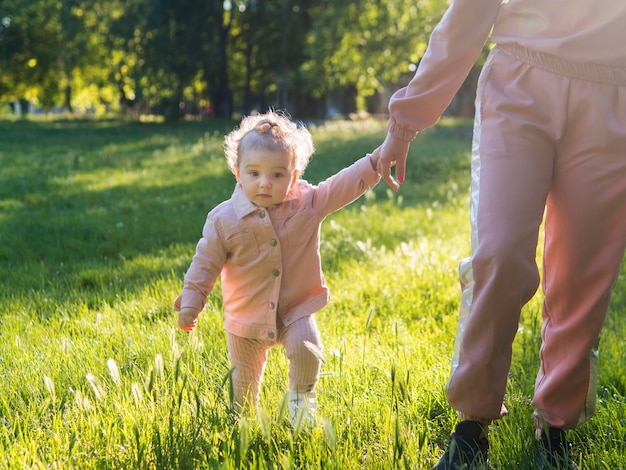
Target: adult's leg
(513,154)
(585,237)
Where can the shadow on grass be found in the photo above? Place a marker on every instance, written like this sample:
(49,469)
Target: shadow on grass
(110,206)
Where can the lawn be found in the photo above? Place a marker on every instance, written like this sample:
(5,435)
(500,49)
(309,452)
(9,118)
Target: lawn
(98,223)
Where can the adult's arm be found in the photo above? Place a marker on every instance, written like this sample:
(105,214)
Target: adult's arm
(453,48)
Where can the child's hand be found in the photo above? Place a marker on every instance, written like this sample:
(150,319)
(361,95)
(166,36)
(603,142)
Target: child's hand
(187,319)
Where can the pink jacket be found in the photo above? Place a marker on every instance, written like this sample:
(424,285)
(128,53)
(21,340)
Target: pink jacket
(580,31)
(269,259)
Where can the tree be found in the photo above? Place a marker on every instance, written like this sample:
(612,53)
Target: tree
(220,19)
(82,48)
(171,46)
(29,41)
(265,51)
(165,54)
(366,44)
(48,46)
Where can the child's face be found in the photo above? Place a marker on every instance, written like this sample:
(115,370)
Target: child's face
(266,176)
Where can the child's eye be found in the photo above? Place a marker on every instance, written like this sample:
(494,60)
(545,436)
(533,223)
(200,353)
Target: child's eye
(278,175)
(254,173)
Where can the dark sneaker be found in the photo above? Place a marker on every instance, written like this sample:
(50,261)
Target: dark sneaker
(553,451)
(468,448)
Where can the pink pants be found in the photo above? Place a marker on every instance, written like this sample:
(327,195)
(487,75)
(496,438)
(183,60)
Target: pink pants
(303,346)
(548,135)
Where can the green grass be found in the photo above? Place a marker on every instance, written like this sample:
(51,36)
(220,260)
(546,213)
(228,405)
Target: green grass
(98,223)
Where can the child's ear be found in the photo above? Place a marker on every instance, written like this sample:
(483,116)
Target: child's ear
(237,173)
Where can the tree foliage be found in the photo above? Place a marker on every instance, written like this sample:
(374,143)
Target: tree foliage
(169,56)
(368,43)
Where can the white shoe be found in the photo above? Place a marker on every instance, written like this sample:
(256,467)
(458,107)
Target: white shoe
(302,407)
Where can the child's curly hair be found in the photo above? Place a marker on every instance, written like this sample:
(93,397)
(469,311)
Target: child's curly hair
(273,131)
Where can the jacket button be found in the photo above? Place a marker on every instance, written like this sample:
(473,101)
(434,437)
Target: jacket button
(273,242)
(276,272)
(272,305)
(271,334)
(262,214)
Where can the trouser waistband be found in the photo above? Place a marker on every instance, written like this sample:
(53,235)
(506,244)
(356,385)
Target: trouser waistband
(583,70)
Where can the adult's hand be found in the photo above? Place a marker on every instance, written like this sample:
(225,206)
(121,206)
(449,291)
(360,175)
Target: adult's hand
(393,152)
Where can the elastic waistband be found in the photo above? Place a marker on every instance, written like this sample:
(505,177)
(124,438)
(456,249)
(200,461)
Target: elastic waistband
(584,71)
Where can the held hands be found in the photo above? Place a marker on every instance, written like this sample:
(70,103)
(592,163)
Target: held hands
(374,156)
(393,152)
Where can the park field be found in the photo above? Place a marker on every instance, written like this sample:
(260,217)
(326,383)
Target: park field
(98,223)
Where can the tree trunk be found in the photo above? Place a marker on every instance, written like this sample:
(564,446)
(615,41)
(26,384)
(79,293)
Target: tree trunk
(24,107)
(221,94)
(68,99)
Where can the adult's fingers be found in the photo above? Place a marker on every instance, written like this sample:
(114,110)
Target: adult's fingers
(384,169)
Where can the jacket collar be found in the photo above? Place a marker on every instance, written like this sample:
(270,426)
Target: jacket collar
(241,203)
(244,207)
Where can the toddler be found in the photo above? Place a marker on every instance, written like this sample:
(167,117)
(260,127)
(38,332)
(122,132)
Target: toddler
(264,242)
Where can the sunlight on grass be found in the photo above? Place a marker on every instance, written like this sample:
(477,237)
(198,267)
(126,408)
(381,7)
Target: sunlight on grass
(98,223)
